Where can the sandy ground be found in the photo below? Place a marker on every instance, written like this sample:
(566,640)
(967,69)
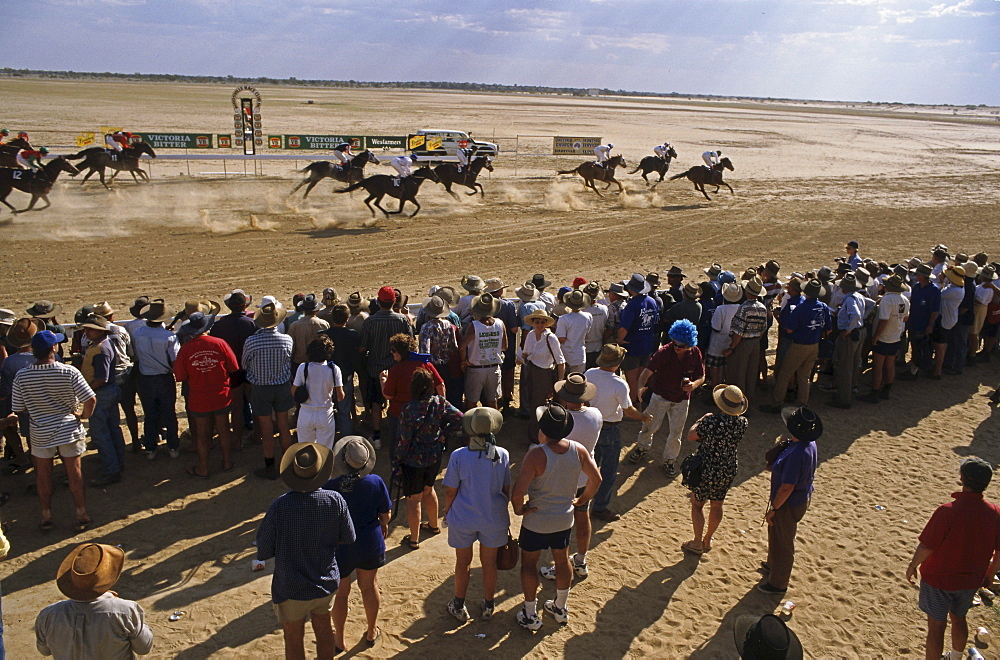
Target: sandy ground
(805,183)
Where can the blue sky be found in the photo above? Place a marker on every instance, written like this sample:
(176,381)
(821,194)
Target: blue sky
(911,51)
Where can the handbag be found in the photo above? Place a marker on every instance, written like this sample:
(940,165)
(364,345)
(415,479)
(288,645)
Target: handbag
(691,469)
(302,393)
(508,553)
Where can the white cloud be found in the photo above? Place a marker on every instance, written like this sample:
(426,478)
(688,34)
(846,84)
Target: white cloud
(539,18)
(649,43)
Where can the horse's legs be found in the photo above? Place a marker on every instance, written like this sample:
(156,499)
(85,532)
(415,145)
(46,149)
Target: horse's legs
(142,173)
(89,174)
(370,198)
(47,203)
(132,172)
(478,186)
(312,184)
(621,188)
(447,186)
(701,188)
(31,204)
(299,185)
(378,198)
(591,184)
(3,198)
(100,173)
(415,203)
(730,187)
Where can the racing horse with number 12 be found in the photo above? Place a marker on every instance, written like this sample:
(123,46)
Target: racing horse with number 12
(591,171)
(700,175)
(353,172)
(36,183)
(402,188)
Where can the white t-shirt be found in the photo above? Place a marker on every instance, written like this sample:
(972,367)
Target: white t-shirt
(574,326)
(587,425)
(612,396)
(893,307)
(486,347)
(951,300)
(722,321)
(595,336)
(984,294)
(322,379)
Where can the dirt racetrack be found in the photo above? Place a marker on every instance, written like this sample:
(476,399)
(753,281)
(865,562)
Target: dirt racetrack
(805,183)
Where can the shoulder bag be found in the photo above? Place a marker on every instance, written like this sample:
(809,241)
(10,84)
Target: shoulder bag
(302,393)
(507,554)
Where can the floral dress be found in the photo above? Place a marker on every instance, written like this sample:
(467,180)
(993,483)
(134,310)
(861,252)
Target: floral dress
(720,438)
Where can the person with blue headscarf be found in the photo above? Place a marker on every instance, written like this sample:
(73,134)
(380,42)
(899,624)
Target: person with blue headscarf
(667,381)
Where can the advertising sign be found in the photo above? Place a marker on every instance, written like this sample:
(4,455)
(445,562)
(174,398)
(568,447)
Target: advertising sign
(177,140)
(569,146)
(385,142)
(275,141)
(224,141)
(324,142)
(85,139)
(415,142)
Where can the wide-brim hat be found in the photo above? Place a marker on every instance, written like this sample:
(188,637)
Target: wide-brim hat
(309,304)
(714,270)
(209,307)
(592,289)
(814,289)
(732,292)
(955,275)
(435,307)
(43,309)
(155,310)
(675,271)
(526,292)
(577,299)
(448,294)
(136,308)
(104,309)
(803,423)
(730,399)
(825,274)
(353,453)
(849,282)
(618,289)
(611,355)
(923,270)
(90,570)
(473,284)
(7,317)
(762,637)
(753,286)
(330,296)
(895,284)
(22,330)
(539,281)
(637,284)
(772,267)
(270,315)
(197,324)
(554,421)
(970,268)
(575,388)
(540,314)
(493,284)
(692,290)
(354,300)
(96,322)
(482,421)
(83,314)
(863,275)
(306,466)
(485,304)
(987,274)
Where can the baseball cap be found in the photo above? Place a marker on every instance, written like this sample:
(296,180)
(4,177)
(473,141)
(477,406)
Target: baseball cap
(46,339)
(387,294)
(578,282)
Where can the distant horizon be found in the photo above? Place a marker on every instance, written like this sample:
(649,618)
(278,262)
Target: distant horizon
(441,85)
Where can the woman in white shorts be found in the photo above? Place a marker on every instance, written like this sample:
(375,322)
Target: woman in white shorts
(318,414)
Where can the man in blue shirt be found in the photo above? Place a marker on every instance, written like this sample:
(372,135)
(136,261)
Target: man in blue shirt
(853,260)
(850,337)
(301,531)
(804,327)
(925,305)
(637,331)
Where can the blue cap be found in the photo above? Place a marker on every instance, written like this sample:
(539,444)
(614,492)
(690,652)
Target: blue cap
(46,339)
(727,276)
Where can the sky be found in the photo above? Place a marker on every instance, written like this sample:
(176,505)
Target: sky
(908,51)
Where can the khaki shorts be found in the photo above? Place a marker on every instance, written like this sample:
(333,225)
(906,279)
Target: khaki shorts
(68,450)
(294,611)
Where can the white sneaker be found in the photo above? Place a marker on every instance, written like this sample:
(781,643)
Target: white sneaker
(532,622)
(460,613)
(487,613)
(560,614)
(377,443)
(548,572)
(580,569)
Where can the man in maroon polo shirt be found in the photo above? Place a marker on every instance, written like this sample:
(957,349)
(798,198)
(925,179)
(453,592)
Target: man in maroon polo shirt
(959,552)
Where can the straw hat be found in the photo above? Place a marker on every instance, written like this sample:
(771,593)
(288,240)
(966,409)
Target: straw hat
(753,286)
(269,315)
(611,355)
(353,453)
(895,284)
(527,292)
(730,399)
(354,300)
(209,307)
(955,275)
(576,299)
(89,571)
(104,309)
(732,292)
(305,466)
(540,314)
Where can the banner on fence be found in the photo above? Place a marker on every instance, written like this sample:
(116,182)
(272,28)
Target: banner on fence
(85,139)
(385,142)
(569,146)
(224,141)
(323,142)
(177,140)
(275,141)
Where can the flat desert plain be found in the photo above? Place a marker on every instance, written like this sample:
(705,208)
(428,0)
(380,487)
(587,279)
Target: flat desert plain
(807,179)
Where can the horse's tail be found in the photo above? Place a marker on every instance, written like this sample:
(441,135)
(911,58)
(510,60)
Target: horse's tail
(350,188)
(79,154)
(572,171)
(311,166)
(637,168)
(679,176)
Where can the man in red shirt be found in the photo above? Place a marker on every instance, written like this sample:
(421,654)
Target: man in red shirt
(206,362)
(959,552)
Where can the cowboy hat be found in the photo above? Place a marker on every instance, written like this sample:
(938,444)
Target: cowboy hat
(482,421)
(448,294)
(765,637)
(730,399)
(675,271)
(732,292)
(987,274)
(43,309)
(493,284)
(270,315)
(955,274)
(354,300)
(540,314)
(923,270)
(330,296)
(237,299)
(653,278)
(435,307)
(849,282)
(308,304)
(473,284)
(197,324)
(713,271)
(90,570)
(83,314)
(539,281)
(592,289)
(772,267)
(824,274)
(7,317)
(813,289)
(204,306)
(895,284)
(691,290)
(353,453)
(970,268)
(104,309)
(802,423)
(618,289)
(526,292)
(484,305)
(554,421)
(155,310)
(863,275)
(576,299)
(22,330)
(96,322)
(575,389)
(753,286)
(637,284)
(306,466)
(136,308)
(611,355)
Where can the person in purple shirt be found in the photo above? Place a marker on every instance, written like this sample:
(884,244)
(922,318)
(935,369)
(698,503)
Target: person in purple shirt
(637,331)
(792,474)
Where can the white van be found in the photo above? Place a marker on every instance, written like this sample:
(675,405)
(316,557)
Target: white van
(451,142)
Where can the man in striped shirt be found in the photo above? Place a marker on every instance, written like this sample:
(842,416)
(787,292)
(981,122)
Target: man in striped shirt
(267,358)
(52,394)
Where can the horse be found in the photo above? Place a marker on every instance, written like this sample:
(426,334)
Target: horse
(9,151)
(591,171)
(353,172)
(655,164)
(402,188)
(96,159)
(38,183)
(700,175)
(449,174)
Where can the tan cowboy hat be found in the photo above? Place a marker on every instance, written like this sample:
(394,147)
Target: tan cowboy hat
(22,330)
(971,268)
(155,310)
(330,296)
(493,284)
(895,284)
(691,290)
(89,571)
(269,315)
(43,309)
(611,355)
(104,309)
(7,317)
(435,307)
(527,292)
(732,292)
(473,284)
(575,389)
(354,300)
(484,305)
(955,274)
(448,294)
(482,421)
(730,399)
(540,314)
(753,286)
(208,307)
(306,466)
(353,453)
(576,299)
(96,322)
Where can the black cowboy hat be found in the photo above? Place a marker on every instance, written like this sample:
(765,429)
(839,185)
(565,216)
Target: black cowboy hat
(803,423)
(765,638)
(554,421)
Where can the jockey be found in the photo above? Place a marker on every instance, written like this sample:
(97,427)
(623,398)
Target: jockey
(343,153)
(711,158)
(602,152)
(402,164)
(464,156)
(661,150)
(30,159)
(112,142)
